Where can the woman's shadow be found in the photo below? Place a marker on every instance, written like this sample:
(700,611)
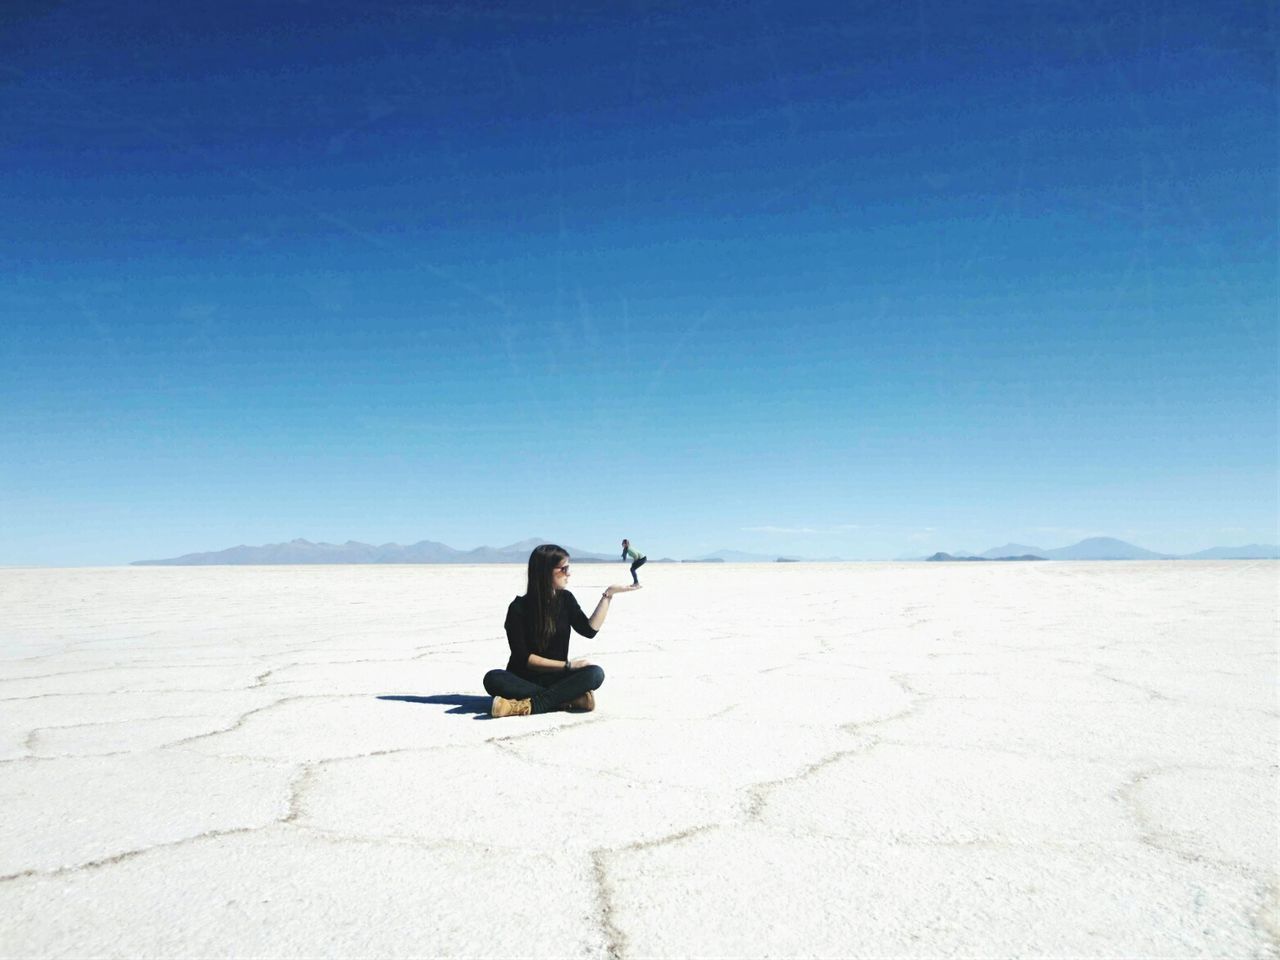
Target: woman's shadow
(460,703)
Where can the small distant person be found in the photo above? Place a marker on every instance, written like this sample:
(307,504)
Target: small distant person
(637,560)
(540,677)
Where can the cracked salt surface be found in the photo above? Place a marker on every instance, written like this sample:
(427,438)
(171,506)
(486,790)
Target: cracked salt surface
(932,760)
(278,893)
(68,812)
(745,890)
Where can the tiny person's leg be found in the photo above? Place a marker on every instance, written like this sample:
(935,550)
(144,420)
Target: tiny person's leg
(635,564)
(574,685)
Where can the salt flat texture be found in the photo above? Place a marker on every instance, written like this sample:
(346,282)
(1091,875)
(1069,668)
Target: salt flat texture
(924,760)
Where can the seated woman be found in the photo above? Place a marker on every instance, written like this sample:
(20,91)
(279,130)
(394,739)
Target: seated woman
(540,677)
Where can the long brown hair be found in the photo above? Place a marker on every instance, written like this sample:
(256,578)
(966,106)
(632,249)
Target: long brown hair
(541,601)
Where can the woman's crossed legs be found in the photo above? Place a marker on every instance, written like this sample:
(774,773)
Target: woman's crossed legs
(559,689)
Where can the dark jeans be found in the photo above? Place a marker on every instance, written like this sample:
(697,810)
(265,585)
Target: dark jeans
(636,566)
(547,694)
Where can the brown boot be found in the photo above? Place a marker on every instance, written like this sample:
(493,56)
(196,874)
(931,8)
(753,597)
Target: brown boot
(586,702)
(502,707)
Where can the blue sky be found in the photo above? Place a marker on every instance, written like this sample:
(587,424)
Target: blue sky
(851,279)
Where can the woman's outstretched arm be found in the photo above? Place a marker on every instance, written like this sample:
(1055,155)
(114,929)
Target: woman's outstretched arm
(602,608)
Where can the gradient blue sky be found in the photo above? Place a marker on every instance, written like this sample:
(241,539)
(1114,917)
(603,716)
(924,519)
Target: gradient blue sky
(862,279)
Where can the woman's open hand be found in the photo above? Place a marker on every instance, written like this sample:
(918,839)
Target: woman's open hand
(621,588)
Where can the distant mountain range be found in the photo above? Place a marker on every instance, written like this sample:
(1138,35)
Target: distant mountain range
(430,551)
(424,551)
(947,556)
(1109,548)
(738,556)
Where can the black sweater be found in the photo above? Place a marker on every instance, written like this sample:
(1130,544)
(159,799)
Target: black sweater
(521,631)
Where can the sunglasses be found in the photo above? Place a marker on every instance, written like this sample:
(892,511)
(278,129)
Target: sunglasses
(564,569)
